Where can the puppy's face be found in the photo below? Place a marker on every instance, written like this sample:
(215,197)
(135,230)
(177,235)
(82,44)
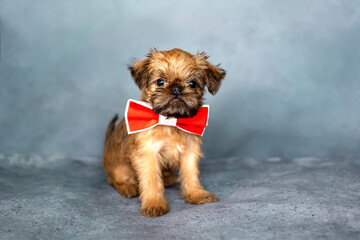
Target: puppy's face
(174,81)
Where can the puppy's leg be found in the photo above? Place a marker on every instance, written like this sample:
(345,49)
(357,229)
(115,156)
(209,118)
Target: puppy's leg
(121,174)
(153,203)
(191,188)
(123,179)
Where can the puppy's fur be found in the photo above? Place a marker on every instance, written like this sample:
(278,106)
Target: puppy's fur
(142,163)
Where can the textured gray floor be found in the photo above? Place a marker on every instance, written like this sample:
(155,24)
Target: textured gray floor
(60,198)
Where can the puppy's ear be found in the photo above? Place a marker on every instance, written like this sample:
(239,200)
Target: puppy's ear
(140,72)
(213,74)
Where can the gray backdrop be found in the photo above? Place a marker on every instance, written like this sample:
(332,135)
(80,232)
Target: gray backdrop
(292,87)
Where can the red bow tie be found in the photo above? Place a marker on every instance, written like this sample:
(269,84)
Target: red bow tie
(139,117)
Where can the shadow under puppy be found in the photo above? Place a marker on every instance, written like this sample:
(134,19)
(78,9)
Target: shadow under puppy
(173,83)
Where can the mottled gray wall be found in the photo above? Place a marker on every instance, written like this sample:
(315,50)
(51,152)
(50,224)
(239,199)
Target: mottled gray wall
(292,86)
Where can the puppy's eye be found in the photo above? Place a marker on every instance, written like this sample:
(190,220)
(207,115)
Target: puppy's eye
(192,84)
(160,82)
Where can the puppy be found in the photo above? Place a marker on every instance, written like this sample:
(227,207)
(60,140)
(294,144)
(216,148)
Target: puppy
(172,83)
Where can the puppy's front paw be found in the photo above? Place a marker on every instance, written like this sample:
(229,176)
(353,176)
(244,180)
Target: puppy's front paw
(200,196)
(154,208)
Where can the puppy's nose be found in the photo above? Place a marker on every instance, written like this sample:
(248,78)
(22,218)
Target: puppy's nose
(177,89)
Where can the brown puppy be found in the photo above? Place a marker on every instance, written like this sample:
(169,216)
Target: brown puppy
(173,83)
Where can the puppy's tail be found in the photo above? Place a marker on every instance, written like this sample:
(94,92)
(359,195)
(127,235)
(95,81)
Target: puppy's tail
(111,127)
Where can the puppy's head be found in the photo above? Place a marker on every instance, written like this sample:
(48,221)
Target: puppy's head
(174,81)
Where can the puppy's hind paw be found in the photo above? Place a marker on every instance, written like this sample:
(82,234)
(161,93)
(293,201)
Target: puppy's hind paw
(127,190)
(170,181)
(200,197)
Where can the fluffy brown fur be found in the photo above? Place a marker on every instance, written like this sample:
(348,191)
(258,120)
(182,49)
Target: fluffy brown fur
(143,163)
